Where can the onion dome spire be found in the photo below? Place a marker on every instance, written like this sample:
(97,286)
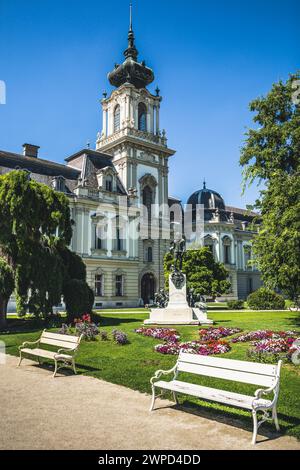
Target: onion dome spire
(131,50)
(131,71)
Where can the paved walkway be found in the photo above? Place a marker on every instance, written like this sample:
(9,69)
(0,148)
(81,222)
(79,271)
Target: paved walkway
(78,412)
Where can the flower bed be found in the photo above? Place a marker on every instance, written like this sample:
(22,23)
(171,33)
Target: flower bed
(120,337)
(166,334)
(263,334)
(195,347)
(272,349)
(207,334)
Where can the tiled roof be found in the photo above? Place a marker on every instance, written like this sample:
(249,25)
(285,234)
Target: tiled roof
(37,165)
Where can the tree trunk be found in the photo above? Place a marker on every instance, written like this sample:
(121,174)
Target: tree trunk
(3,312)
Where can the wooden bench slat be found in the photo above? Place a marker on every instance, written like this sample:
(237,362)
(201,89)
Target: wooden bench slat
(58,336)
(231,364)
(227,374)
(59,344)
(213,394)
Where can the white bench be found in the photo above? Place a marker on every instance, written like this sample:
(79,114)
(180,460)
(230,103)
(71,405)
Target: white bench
(266,375)
(67,344)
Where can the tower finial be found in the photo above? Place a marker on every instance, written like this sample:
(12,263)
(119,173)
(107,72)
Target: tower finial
(130,16)
(204,184)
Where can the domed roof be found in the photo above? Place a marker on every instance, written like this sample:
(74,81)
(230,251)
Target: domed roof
(209,198)
(131,71)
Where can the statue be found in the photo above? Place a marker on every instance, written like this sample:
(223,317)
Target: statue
(161,299)
(177,249)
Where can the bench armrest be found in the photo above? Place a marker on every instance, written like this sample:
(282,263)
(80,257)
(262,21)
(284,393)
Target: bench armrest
(159,373)
(66,351)
(263,391)
(275,388)
(28,343)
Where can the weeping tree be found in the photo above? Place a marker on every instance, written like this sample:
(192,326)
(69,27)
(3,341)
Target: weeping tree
(35,231)
(6,289)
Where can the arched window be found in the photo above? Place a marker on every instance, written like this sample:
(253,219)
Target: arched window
(147,199)
(142,117)
(117,118)
(227,250)
(208,241)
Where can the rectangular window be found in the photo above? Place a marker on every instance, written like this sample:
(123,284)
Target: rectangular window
(98,285)
(119,241)
(108,185)
(98,241)
(119,285)
(227,254)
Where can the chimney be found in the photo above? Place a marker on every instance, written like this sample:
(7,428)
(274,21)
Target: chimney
(30,150)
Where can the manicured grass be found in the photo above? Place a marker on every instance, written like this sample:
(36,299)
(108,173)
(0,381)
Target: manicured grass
(134,364)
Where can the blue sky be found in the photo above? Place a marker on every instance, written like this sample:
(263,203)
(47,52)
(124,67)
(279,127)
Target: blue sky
(210,59)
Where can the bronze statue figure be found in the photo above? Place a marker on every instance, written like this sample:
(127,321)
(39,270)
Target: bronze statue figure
(177,248)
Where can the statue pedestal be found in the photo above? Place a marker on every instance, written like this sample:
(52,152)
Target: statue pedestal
(178,311)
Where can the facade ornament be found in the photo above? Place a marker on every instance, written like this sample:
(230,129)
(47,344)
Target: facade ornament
(217,215)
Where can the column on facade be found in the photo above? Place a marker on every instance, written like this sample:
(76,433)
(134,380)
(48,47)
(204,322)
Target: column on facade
(232,251)
(150,118)
(104,123)
(129,175)
(128,108)
(157,119)
(110,120)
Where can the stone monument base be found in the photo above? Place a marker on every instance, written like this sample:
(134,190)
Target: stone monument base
(178,311)
(177,316)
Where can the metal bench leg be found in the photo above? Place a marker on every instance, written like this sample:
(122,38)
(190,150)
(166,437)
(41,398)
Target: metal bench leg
(55,369)
(175,398)
(21,359)
(274,416)
(153,398)
(254,427)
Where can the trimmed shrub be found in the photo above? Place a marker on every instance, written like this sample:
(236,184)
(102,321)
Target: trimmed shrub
(265,299)
(79,298)
(235,304)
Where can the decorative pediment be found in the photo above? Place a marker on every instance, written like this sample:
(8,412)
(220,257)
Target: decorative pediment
(148,180)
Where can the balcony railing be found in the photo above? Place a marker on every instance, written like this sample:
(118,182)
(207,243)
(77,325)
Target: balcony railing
(131,131)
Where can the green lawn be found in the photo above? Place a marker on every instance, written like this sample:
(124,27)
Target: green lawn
(133,365)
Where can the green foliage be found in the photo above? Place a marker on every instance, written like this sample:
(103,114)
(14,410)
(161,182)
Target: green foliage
(6,279)
(235,304)
(203,273)
(7,284)
(75,267)
(78,297)
(273,146)
(271,153)
(265,299)
(35,228)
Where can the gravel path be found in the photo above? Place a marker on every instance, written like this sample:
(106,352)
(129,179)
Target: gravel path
(79,412)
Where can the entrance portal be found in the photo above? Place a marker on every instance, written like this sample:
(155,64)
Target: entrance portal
(148,288)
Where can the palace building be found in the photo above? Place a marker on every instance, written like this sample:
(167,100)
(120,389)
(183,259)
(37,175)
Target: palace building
(130,164)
